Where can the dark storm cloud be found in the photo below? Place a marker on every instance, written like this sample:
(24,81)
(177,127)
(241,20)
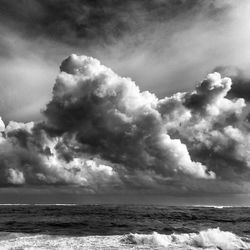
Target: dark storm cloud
(171,44)
(100,22)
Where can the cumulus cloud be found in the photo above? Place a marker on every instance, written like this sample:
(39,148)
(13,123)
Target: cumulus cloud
(101,133)
(29,156)
(111,117)
(211,125)
(2,125)
(240,79)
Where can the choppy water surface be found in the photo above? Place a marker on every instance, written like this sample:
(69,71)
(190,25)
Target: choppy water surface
(123,227)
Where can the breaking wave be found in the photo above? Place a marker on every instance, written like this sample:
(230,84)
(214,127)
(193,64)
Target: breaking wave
(209,239)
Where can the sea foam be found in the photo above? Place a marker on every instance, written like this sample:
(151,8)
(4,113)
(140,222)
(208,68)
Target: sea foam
(209,239)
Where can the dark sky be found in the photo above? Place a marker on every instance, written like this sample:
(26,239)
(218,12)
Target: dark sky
(171,44)
(80,132)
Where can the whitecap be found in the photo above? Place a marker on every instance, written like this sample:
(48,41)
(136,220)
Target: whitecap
(212,238)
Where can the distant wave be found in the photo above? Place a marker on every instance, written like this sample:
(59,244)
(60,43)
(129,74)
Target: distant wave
(209,239)
(214,206)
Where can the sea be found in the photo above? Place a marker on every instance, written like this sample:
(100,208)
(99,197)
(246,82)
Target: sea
(66,227)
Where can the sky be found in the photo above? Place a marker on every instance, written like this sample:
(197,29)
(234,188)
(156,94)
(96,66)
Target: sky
(125,101)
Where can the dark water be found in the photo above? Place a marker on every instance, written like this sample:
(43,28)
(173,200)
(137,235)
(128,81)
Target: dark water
(115,220)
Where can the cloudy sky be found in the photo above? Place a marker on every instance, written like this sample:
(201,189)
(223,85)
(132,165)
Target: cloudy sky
(125,101)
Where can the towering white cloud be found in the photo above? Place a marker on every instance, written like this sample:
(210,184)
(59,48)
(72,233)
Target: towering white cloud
(2,125)
(111,117)
(102,133)
(211,125)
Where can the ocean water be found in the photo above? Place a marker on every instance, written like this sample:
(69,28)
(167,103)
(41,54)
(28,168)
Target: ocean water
(66,227)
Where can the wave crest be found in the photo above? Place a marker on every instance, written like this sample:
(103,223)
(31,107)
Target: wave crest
(212,238)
